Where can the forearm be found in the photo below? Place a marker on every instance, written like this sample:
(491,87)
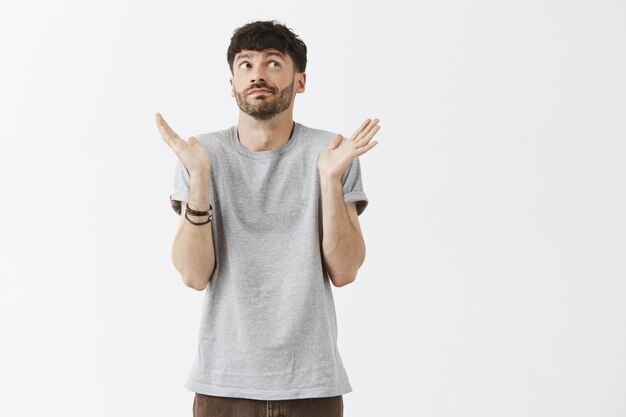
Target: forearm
(193,253)
(342,246)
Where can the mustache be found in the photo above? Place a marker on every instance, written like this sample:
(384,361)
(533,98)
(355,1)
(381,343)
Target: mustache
(259,86)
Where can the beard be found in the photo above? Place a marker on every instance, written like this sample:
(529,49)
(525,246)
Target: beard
(266,106)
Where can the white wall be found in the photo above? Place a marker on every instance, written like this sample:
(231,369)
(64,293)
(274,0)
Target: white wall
(494,283)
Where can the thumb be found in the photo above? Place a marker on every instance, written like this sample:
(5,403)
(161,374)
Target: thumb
(336,142)
(192,140)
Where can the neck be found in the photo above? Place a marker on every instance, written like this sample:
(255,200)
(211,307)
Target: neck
(264,135)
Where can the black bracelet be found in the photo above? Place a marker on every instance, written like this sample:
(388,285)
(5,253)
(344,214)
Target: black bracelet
(199,213)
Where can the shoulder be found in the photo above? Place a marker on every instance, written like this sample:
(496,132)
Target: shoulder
(215,139)
(316,137)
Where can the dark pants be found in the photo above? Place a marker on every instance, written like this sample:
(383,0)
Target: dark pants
(213,406)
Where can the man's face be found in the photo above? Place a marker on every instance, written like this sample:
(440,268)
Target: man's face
(269,70)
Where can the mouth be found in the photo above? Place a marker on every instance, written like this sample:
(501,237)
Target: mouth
(259,92)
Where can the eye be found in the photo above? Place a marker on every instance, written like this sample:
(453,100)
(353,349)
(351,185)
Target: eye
(244,63)
(276,62)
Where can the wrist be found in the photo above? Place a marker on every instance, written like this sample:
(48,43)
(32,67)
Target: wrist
(330,182)
(204,174)
(199,181)
(329,177)
(199,192)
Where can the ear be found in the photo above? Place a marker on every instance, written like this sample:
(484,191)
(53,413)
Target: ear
(301,82)
(232,87)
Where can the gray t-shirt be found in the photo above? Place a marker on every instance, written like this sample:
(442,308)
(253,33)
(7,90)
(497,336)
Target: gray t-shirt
(268,328)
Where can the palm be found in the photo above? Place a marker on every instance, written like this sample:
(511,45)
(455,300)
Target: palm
(335,159)
(191,153)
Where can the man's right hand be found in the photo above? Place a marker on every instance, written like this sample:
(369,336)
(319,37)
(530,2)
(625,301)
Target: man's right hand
(192,154)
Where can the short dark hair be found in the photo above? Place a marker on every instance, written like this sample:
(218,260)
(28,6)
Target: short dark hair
(269,34)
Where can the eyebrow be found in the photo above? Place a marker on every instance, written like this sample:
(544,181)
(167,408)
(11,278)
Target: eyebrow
(266,54)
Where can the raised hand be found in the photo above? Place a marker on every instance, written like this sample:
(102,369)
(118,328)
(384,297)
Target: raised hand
(192,154)
(335,159)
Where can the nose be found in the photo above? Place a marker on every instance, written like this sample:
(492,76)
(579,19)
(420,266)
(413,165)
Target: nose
(257,75)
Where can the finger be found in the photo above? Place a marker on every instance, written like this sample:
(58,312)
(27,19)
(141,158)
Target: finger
(170,137)
(164,126)
(336,142)
(356,132)
(367,128)
(367,136)
(363,149)
(364,130)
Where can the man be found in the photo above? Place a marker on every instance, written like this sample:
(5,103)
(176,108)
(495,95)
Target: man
(270,220)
